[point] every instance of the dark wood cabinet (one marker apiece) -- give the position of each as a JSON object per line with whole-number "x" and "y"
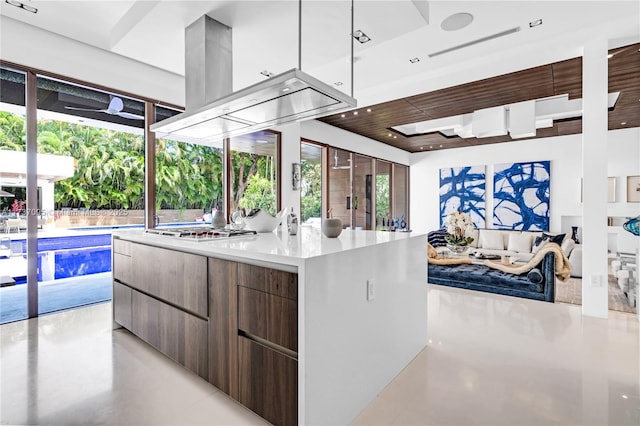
{"x": 223, "y": 326}
{"x": 268, "y": 342}
{"x": 234, "y": 324}
{"x": 268, "y": 382}
{"x": 177, "y": 334}
{"x": 122, "y": 305}
{"x": 269, "y": 317}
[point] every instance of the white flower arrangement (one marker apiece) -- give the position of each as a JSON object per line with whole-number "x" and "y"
{"x": 458, "y": 224}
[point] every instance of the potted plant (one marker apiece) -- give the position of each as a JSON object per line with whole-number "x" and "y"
{"x": 458, "y": 224}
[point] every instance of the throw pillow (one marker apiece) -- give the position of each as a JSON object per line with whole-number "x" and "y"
{"x": 437, "y": 238}
{"x": 554, "y": 238}
{"x": 519, "y": 242}
{"x": 538, "y": 244}
{"x": 535, "y": 276}
{"x": 545, "y": 238}
{"x": 491, "y": 240}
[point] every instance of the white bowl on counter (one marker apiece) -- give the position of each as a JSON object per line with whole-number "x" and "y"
{"x": 263, "y": 221}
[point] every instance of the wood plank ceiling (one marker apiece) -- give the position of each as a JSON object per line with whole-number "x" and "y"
{"x": 548, "y": 80}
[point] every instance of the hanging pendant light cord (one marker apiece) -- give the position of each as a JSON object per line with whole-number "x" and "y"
{"x": 300, "y": 35}
{"x": 300, "y": 39}
{"x": 351, "y": 37}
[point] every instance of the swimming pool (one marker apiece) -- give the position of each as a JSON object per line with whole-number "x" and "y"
{"x": 76, "y": 255}
{"x": 68, "y": 256}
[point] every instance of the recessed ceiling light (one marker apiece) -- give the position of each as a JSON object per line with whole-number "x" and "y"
{"x": 535, "y": 23}
{"x": 431, "y": 147}
{"x": 368, "y": 109}
{"x": 266, "y": 73}
{"x": 440, "y": 146}
{"x": 457, "y": 21}
{"x": 337, "y": 83}
{"x": 395, "y": 137}
{"x": 342, "y": 115}
{"x": 422, "y": 147}
{"x": 414, "y": 60}
{"x": 286, "y": 89}
{"x": 623, "y": 123}
{"x": 389, "y": 135}
{"x": 361, "y": 36}
{"x": 355, "y": 112}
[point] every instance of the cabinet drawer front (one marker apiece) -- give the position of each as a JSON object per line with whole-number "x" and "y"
{"x": 122, "y": 305}
{"x": 269, "y": 317}
{"x": 176, "y": 277}
{"x": 268, "y": 382}
{"x": 122, "y": 247}
{"x": 177, "y": 334}
{"x": 122, "y": 269}
{"x": 269, "y": 280}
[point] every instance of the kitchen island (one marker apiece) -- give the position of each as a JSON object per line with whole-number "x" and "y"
{"x": 300, "y": 329}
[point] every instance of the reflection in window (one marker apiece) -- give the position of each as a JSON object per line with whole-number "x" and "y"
{"x": 400, "y": 192}
{"x": 253, "y": 171}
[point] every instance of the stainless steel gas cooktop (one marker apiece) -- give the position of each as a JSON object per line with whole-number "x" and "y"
{"x": 201, "y": 233}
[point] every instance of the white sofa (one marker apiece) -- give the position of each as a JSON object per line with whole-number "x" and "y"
{"x": 519, "y": 244}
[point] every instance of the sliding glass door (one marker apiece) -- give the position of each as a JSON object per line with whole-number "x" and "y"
{"x": 13, "y": 193}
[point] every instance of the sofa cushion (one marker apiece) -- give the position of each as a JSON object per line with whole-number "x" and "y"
{"x": 567, "y": 246}
{"x": 492, "y": 240}
{"x": 475, "y": 234}
{"x": 519, "y": 242}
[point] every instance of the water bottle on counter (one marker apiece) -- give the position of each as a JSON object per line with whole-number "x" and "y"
{"x": 292, "y": 223}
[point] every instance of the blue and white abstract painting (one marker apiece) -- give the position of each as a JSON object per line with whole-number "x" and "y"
{"x": 463, "y": 189}
{"x": 521, "y": 196}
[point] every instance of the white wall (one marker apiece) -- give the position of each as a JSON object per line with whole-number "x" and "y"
{"x": 30, "y": 46}
{"x": 565, "y": 153}
{"x": 322, "y": 132}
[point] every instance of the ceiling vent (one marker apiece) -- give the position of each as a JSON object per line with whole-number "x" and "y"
{"x": 473, "y": 42}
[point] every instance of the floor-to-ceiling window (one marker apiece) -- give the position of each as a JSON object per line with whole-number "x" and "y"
{"x": 383, "y": 194}
{"x": 362, "y": 203}
{"x": 13, "y": 174}
{"x": 253, "y": 172}
{"x": 401, "y": 194}
{"x": 311, "y": 201}
{"x": 189, "y": 178}
{"x": 339, "y": 182}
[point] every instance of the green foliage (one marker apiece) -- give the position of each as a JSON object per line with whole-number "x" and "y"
{"x": 382, "y": 196}
{"x": 259, "y": 194}
{"x": 188, "y": 176}
{"x": 110, "y": 166}
{"x": 310, "y": 190}
{"x": 252, "y": 180}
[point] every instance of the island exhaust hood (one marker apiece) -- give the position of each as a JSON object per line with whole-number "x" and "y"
{"x": 213, "y": 112}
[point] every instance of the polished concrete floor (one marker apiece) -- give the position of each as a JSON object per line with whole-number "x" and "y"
{"x": 491, "y": 359}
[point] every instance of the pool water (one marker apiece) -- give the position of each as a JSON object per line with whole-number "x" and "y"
{"x": 70, "y": 256}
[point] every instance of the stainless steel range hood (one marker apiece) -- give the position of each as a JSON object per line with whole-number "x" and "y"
{"x": 290, "y": 96}
{"x": 287, "y": 97}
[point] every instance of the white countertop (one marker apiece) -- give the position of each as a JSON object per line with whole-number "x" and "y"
{"x": 272, "y": 247}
